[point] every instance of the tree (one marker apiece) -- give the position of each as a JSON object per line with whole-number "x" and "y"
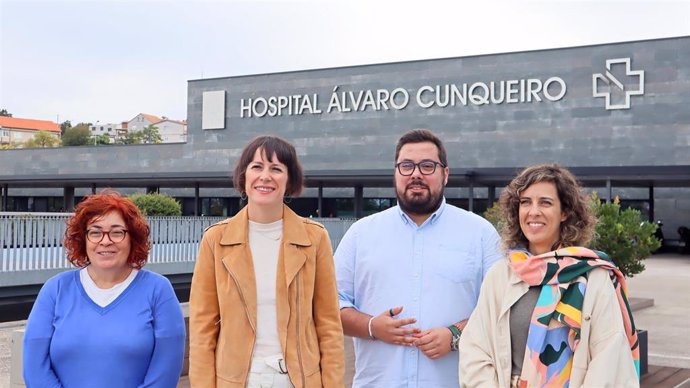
{"x": 4, "y": 112}
{"x": 495, "y": 216}
{"x": 77, "y": 136}
{"x": 102, "y": 139}
{"x": 157, "y": 204}
{"x": 623, "y": 235}
{"x": 150, "y": 135}
{"x": 43, "y": 139}
{"x": 65, "y": 126}
{"x": 133, "y": 137}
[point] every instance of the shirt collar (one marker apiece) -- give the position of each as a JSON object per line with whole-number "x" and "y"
{"x": 431, "y": 220}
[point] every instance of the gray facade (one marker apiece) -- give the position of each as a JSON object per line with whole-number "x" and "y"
{"x": 502, "y": 112}
{"x": 576, "y": 130}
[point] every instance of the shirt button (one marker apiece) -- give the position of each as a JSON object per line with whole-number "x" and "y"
{"x": 587, "y": 317}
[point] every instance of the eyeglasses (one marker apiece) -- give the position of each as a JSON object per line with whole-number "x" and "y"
{"x": 426, "y": 167}
{"x": 97, "y": 235}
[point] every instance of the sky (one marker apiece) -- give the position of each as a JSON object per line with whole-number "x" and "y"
{"x": 107, "y": 61}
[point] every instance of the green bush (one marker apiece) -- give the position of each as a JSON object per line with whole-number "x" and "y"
{"x": 157, "y": 204}
{"x": 494, "y": 215}
{"x": 620, "y": 233}
{"x": 623, "y": 235}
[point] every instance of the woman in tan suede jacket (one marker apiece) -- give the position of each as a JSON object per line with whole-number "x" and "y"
{"x": 263, "y": 305}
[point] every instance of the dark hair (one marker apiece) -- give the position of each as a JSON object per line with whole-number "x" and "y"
{"x": 578, "y": 227}
{"x": 286, "y": 154}
{"x": 422, "y": 136}
{"x": 96, "y": 206}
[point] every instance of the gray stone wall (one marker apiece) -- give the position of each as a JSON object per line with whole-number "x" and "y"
{"x": 577, "y": 130}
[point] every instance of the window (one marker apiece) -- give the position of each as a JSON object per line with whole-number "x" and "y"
{"x": 215, "y": 207}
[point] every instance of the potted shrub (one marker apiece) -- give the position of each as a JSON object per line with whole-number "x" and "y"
{"x": 623, "y": 235}
{"x": 628, "y": 240}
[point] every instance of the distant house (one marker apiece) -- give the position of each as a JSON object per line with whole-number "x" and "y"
{"x": 114, "y": 130}
{"x": 171, "y": 131}
{"x": 141, "y": 121}
{"x": 14, "y": 130}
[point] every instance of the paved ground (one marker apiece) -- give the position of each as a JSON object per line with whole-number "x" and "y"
{"x": 666, "y": 280}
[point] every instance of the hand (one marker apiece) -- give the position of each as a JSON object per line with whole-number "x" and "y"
{"x": 387, "y": 328}
{"x": 461, "y": 325}
{"x": 434, "y": 343}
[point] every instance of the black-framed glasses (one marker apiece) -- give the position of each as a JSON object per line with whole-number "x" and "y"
{"x": 97, "y": 235}
{"x": 426, "y": 167}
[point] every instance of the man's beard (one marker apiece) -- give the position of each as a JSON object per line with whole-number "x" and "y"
{"x": 419, "y": 204}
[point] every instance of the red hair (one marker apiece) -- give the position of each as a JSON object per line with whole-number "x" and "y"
{"x": 96, "y": 206}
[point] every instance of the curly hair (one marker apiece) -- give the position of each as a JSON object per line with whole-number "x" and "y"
{"x": 578, "y": 227}
{"x": 271, "y": 145}
{"x": 96, "y": 206}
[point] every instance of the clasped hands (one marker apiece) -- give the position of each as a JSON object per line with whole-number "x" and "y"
{"x": 434, "y": 343}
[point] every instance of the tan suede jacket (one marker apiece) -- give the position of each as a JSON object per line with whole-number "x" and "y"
{"x": 602, "y": 359}
{"x": 222, "y": 306}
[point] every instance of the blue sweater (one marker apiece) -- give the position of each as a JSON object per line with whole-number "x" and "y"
{"x": 135, "y": 341}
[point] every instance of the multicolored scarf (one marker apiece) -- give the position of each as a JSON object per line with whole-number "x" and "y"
{"x": 554, "y": 331}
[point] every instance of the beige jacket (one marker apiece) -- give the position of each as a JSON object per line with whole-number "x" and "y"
{"x": 222, "y": 306}
{"x": 602, "y": 359}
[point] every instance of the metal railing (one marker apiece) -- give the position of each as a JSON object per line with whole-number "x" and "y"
{"x": 33, "y": 241}
{"x": 336, "y": 228}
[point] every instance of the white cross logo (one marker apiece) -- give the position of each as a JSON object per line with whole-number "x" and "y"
{"x": 609, "y": 79}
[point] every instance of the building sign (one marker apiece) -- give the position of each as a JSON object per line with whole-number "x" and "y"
{"x": 615, "y": 85}
{"x": 442, "y": 96}
{"x": 607, "y": 85}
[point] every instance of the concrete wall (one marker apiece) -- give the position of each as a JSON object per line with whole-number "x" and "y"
{"x": 576, "y": 130}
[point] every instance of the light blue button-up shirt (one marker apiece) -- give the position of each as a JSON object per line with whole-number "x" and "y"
{"x": 434, "y": 271}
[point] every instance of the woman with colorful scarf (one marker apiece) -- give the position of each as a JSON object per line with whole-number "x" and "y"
{"x": 554, "y": 314}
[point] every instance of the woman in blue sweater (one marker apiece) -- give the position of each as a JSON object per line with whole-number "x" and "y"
{"x": 109, "y": 323}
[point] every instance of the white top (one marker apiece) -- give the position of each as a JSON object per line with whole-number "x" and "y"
{"x": 264, "y": 243}
{"x": 104, "y": 296}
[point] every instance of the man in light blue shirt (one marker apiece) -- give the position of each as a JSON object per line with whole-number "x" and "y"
{"x": 409, "y": 277}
